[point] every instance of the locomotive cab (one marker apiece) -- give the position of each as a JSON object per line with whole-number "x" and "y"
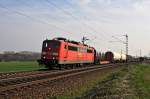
{"x": 50, "y": 52}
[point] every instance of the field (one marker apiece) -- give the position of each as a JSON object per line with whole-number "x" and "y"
{"x": 16, "y": 66}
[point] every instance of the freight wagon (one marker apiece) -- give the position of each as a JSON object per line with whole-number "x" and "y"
{"x": 114, "y": 57}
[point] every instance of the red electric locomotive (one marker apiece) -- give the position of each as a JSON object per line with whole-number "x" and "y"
{"x": 60, "y": 51}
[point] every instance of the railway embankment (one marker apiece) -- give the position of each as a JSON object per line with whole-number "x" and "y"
{"x": 128, "y": 83}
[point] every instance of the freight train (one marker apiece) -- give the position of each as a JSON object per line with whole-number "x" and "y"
{"x": 114, "y": 57}
{"x": 60, "y": 52}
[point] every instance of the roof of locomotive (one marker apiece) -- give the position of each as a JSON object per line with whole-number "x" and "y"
{"x": 69, "y": 41}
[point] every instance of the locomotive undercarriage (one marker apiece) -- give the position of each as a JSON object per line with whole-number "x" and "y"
{"x": 53, "y": 63}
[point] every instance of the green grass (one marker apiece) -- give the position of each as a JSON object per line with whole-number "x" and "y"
{"x": 141, "y": 80}
{"x": 16, "y": 66}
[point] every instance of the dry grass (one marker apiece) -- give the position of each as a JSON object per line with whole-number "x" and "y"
{"x": 132, "y": 84}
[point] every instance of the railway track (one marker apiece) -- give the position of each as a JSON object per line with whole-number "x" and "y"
{"x": 10, "y": 83}
{"x": 17, "y": 83}
{"x": 27, "y": 73}
{"x": 19, "y": 74}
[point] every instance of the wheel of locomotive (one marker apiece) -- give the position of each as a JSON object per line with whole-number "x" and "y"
{"x": 76, "y": 65}
{"x": 59, "y": 66}
{"x": 50, "y": 67}
{"x": 70, "y": 66}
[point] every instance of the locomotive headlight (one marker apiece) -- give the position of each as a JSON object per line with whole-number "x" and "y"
{"x": 44, "y": 57}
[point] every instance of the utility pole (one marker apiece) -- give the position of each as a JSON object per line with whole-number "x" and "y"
{"x": 126, "y": 45}
{"x": 121, "y": 54}
{"x": 140, "y": 53}
{"x": 126, "y": 48}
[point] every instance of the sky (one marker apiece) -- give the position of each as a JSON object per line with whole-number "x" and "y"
{"x": 24, "y": 24}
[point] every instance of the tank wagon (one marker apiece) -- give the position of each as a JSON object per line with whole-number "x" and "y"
{"x": 62, "y": 52}
{"x": 114, "y": 57}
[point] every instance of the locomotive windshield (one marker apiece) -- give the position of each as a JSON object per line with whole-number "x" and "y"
{"x": 50, "y": 44}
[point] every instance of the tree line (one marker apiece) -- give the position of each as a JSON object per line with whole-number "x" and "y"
{"x": 19, "y": 56}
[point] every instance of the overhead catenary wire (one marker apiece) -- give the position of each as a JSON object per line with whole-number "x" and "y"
{"x": 105, "y": 37}
{"x": 100, "y": 38}
{"x": 71, "y": 15}
{"x": 68, "y": 13}
{"x": 32, "y": 18}
{"x": 28, "y": 4}
{"x": 118, "y": 39}
{"x": 47, "y": 23}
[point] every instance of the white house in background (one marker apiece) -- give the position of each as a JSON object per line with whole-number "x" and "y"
{"x": 1, "y": 52}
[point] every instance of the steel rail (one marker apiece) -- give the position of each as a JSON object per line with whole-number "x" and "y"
{"x": 32, "y": 80}
{"x": 33, "y": 73}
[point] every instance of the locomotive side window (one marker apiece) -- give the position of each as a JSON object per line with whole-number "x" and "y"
{"x": 73, "y": 48}
{"x": 82, "y": 50}
{"x": 89, "y": 51}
